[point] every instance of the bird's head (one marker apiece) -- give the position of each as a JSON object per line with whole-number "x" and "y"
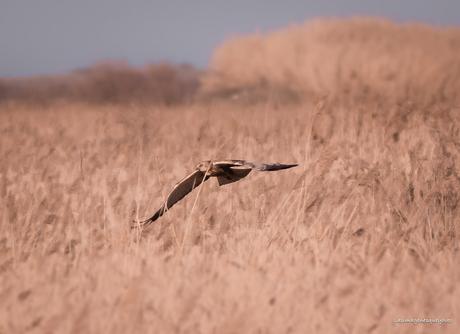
{"x": 204, "y": 166}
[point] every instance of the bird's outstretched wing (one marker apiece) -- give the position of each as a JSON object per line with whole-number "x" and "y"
{"x": 180, "y": 190}
{"x": 233, "y": 174}
{"x": 268, "y": 167}
{"x": 235, "y": 170}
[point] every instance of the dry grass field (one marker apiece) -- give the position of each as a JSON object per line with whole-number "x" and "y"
{"x": 363, "y": 233}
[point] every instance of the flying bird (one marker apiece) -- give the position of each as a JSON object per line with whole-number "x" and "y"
{"x": 226, "y": 171}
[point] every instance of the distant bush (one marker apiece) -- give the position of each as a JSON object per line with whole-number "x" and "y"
{"x": 357, "y": 58}
{"x": 108, "y": 83}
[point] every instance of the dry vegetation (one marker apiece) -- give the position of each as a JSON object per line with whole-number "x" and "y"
{"x": 361, "y": 59}
{"x": 107, "y": 83}
{"x": 364, "y": 232}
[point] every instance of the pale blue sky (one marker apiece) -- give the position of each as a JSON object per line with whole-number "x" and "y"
{"x": 54, "y": 36}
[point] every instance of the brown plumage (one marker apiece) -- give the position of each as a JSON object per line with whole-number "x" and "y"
{"x": 226, "y": 171}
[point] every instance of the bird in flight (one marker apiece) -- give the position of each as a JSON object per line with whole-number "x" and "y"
{"x": 226, "y": 171}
